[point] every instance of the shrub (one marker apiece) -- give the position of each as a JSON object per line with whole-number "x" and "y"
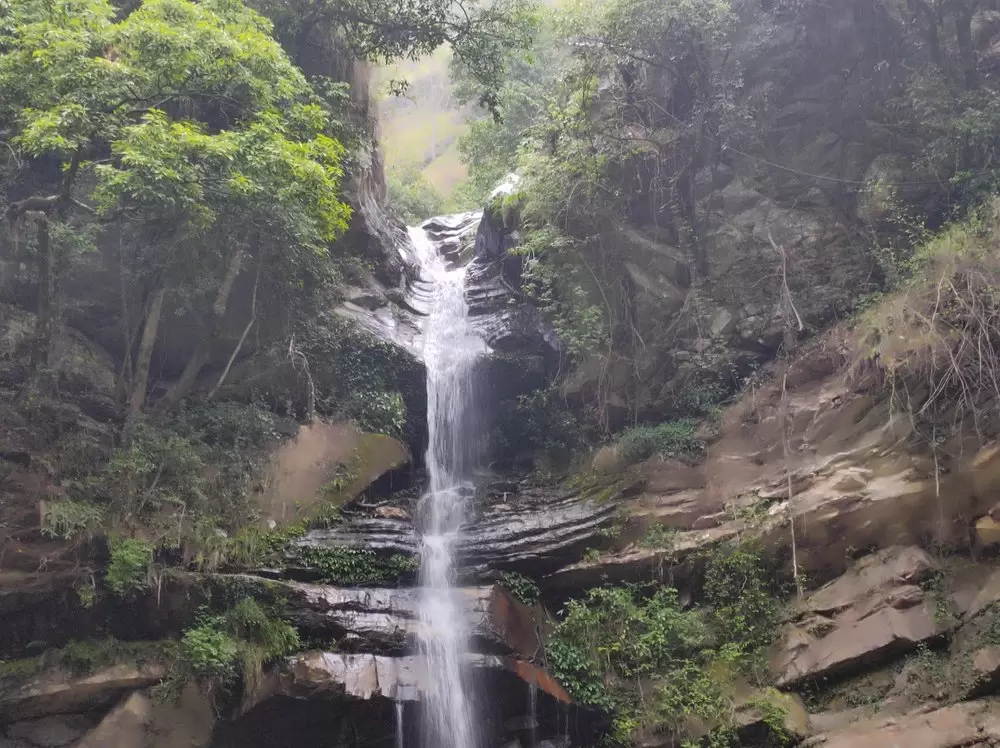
{"x": 523, "y": 588}
{"x": 744, "y": 606}
{"x": 340, "y": 565}
{"x": 210, "y": 652}
{"x": 128, "y": 569}
{"x": 67, "y": 519}
{"x": 613, "y": 636}
{"x": 670, "y": 438}
{"x": 237, "y": 642}
{"x": 933, "y": 344}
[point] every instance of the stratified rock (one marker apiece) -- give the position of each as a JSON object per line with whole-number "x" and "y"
{"x": 534, "y": 532}
{"x": 364, "y": 677}
{"x": 387, "y": 620}
{"x": 965, "y": 725}
{"x": 58, "y": 692}
{"x": 874, "y": 611}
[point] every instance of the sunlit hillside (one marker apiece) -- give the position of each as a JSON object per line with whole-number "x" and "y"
{"x": 421, "y": 127}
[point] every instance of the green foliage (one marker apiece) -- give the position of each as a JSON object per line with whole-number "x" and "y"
{"x": 361, "y": 377}
{"x": 612, "y": 636}
{"x": 539, "y": 425}
{"x": 236, "y": 642}
{"x": 186, "y": 476}
{"x": 129, "y": 567}
{"x": 350, "y": 566}
{"x": 688, "y": 661}
{"x": 659, "y": 537}
{"x": 482, "y": 36}
{"x": 523, "y": 588}
{"x": 86, "y": 656}
{"x": 65, "y": 520}
{"x": 413, "y": 197}
{"x": 742, "y": 597}
{"x": 210, "y": 652}
{"x": 666, "y": 439}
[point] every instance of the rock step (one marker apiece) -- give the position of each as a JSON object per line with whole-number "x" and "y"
{"x": 387, "y": 621}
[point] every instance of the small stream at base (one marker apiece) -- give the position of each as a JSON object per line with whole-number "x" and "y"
{"x": 451, "y": 349}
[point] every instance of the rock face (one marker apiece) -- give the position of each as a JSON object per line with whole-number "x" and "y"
{"x": 302, "y": 468}
{"x": 531, "y": 532}
{"x": 875, "y": 611}
{"x": 57, "y": 692}
{"x": 500, "y": 312}
{"x": 855, "y": 481}
{"x": 376, "y": 695}
{"x": 387, "y": 620}
{"x": 972, "y": 724}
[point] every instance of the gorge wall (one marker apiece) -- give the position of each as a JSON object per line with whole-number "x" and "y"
{"x": 730, "y": 272}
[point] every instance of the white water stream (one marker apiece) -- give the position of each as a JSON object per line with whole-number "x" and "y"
{"x": 451, "y": 348}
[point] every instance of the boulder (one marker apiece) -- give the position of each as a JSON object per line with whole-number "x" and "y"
{"x": 973, "y": 724}
{"x": 875, "y": 611}
{"x": 58, "y": 692}
{"x": 123, "y": 727}
{"x": 86, "y": 372}
{"x": 49, "y": 732}
{"x": 298, "y": 479}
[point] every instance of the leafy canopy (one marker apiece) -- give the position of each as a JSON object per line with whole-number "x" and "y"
{"x": 183, "y": 115}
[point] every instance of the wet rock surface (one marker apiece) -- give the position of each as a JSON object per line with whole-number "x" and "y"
{"x": 387, "y": 620}
{"x": 536, "y": 531}
{"x": 370, "y": 695}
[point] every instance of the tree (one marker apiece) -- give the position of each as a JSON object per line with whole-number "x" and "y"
{"x": 182, "y": 122}
{"x": 482, "y": 35}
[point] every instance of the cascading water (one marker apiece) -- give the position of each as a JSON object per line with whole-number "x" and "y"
{"x": 450, "y": 351}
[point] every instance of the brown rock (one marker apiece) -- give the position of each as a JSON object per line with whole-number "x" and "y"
{"x": 987, "y": 530}
{"x": 57, "y": 692}
{"x": 986, "y": 667}
{"x": 123, "y": 727}
{"x": 51, "y": 732}
{"x": 973, "y": 723}
{"x": 392, "y": 512}
{"x": 872, "y": 612}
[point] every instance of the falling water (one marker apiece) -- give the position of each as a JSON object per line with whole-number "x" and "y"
{"x": 450, "y": 351}
{"x": 399, "y": 724}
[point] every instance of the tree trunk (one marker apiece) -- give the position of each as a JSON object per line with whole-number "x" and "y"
{"x": 146, "y": 352}
{"x": 41, "y": 343}
{"x": 202, "y": 351}
{"x": 966, "y": 50}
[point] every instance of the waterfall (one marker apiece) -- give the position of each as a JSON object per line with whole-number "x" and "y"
{"x": 450, "y": 351}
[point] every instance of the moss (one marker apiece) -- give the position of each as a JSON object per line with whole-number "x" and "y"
{"x": 19, "y": 670}
{"x": 85, "y": 656}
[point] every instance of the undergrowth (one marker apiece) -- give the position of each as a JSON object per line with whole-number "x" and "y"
{"x": 688, "y": 660}
{"x": 668, "y": 439}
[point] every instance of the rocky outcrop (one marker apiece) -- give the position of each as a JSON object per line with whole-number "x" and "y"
{"x": 856, "y": 481}
{"x": 59, "y": 692}
{"x": 378, "y": 695}
{"x": 507, "y": 320}
{"x": 876, "y": 611}
{"x": 532, "y": 531}
{"x": 387, "y": 620}
{"x": 301, "y": 470}
{"x": 974, "y": 724}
